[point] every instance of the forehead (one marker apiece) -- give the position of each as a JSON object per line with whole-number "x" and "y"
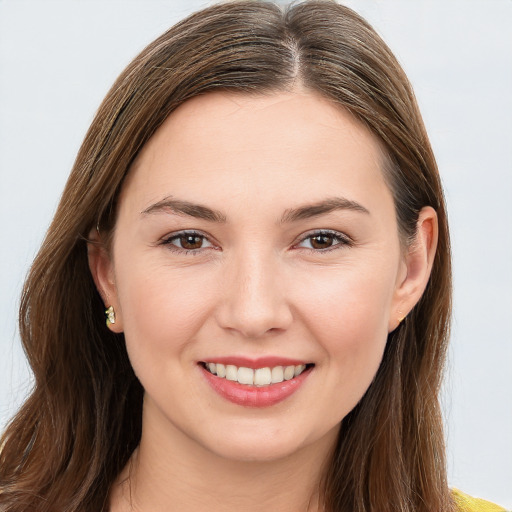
{"x": 297, "y": 144}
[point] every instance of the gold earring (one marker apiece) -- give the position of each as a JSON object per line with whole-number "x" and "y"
{"x": 401, "y": 318}
{"x": 111, "y": 316}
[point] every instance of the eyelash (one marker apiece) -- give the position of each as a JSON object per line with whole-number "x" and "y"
{"x": 340, "y": 240}
{"x": 181, "y": 234}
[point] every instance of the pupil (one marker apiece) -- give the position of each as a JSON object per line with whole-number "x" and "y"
{"x": 321, "y": 241}
{"x": 191, "y": 242}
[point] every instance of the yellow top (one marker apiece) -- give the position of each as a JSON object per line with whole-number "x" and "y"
{"x": 466, "y": 503}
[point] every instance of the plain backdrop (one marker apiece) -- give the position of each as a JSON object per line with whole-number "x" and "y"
{"x": 58, "y": 59}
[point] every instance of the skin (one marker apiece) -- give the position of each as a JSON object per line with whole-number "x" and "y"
{"x": 253, "y": 286}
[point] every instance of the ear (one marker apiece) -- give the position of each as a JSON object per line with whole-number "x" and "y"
{"x": 416, "y": 267}
{"x": 102, "y": 271}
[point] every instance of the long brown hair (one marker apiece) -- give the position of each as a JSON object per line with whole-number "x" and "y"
{"x": 78, "y": 428}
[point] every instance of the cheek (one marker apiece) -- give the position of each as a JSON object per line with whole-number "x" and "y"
{"x": 347, "y": 313}
{"x": 349, "y": 300}
{"x": 162, "y": 309}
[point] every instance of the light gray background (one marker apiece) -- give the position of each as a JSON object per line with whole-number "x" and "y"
{"x": 58, "y": 58}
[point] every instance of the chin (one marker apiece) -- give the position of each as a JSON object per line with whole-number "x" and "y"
{"x": 260, "y": 444}
{"x": 257, "y": 451}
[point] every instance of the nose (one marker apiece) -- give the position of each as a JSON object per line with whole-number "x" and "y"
{"x": 254, "y": 299}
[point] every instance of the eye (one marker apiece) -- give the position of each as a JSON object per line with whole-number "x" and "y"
{"x": 187, "y": 241}
{"x": 324, "y": 241}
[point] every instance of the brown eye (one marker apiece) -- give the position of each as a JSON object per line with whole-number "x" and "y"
{"x": 182, "y": 242}
{"x": 191, "y": 241}
{"x": 323, "y": 241}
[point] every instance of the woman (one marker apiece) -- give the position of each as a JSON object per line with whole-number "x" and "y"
{"x": 257, "y": 209}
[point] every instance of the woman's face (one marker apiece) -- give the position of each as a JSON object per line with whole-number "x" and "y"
{"x": 256, "y": 233}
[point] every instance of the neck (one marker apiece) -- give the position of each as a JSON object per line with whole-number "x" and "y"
{"x": 173, "y": 472}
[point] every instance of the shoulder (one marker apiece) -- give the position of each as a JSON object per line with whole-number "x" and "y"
{"x": 466, "y": 503}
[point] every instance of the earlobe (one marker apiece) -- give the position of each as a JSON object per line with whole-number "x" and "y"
{"x": 418, "y": 260}
{"x": 102, "y": 271}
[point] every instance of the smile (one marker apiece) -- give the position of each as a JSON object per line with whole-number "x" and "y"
{"x": 255, "y": 376}
{"x": 251, "y": 383}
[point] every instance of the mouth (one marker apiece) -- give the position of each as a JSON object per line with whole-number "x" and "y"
{"x": 255, "y": 382}
{"x": 255, "y": 377}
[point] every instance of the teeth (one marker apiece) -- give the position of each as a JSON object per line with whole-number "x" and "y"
{"x": 299, "y": 369}
{"x": 277, "y": 374}
{"x": 231, "y": 372}
{"x": 289, "y": 372}
{"x": 262, "y": 376}
{"x": 221, "y": 370}
{"x": 258, "y": 377}
{"x": 246, "y": 376}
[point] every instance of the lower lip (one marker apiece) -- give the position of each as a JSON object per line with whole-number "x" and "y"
{"x": 253, "y": 396}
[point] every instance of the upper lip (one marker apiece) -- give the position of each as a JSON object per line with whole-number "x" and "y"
{"x": 258, "y": 362}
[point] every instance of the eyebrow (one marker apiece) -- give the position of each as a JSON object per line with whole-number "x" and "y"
{"x": 198, "y": 211}
{"x": 326, "y": 206}
{"x": 180, "y": 207}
